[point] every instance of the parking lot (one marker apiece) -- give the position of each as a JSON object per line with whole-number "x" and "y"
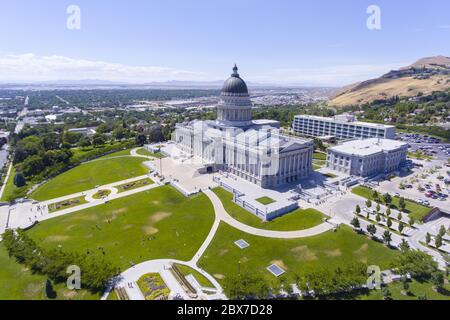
{"x": 429, "y": 185}
{"x": 428, "y": 146}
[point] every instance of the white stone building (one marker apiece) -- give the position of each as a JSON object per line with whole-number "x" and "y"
{"x": 342, "y": 127}
{"x": 251, "y": 149}
{"x": 369, "y": 157}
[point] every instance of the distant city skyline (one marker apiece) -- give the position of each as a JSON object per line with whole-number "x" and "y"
{"x": 285, "y": 42}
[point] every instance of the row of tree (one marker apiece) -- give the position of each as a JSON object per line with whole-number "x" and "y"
{"x": 95, "y": 272}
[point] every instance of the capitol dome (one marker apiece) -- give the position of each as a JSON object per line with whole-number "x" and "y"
{"x": 235, "y": 86}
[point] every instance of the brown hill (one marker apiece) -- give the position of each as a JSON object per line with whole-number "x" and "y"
{"x": 423, "y": 77}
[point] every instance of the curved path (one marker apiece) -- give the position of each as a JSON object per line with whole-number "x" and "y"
{"x": 223, "y": 215}
{"x": 128, "y": 279}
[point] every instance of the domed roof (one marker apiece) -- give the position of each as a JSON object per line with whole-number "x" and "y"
{"x": 235, "y": 86}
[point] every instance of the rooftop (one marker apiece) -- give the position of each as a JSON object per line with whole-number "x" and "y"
{"x": 368, "y": 146}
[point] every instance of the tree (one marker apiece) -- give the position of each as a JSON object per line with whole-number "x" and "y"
{"x": 389, "y": 223}
{"x": 402, "y": 204}
{"x": 119, "y": 133}
{"x": 405, "y": 284}
{"x": 417, "y": 264}
{"x": 19, "y": 180}
{"x": 438, "y": 280}
{"x": 84, "y": 142}
{"x": 99, "y": 140}
{"x": 378, "y": 217}
{"x": 438, "y": 241}
{"x": 368, "y": 203}
{"x": 404, "y": 245}
{"x": 411, "y": 221}
{"x": 372, "y": 229}
{"x": 378, "y": 207}
{"x": 388, "y": 212}
{"x": 355, "y": 223}
{"x": 358, "y": 210}
{"x": 428, "y": 238}
{"x": 399, "y": 216}
{"x": 387, "y": 237}
{"x": 375, "y": 194}
{"x": 247, "y": 285}
{"x": 401, "y": 227}
{"x": 442, "y": 231}
{"x": 387, "y": 199}
{"x": 51, "y": 141}
{"x": 72, "y": 138}
{"x": 49, "y": 291}
{"x": 141, "y": 140}
{"x": 155, "y": 134}
{"x": 386, "y": 293}
{"x": 33, "y": 165}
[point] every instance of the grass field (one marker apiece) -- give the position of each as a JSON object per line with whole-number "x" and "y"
{"x": 415, "y": 210}
{"x": 328, "y": 250}
{"x": 18, "y": 283}
{"x": 156, "y": 224}
{"x": 319, "y": 156}
{"x": 265, "y": 201}
{"x": 296, "y": 220}
{"x": 145, "y": 152}
{"x": 89, "y": 175}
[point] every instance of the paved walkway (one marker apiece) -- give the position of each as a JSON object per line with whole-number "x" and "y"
{"x": 2, "y": 190}
{"x": 26, "y": 214}
{"x": 128, "y": 280}
{"x": 223, "y": 215}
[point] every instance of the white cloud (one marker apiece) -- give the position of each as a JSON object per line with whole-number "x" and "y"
{"x": 30, "y": 67}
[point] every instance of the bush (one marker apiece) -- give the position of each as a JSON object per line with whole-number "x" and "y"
{"x": 19, "y": 180}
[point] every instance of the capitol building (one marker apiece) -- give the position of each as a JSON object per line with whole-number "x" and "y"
{"x": 253, "y": 150}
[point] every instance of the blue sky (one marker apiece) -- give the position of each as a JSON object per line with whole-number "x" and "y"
{"x": 285, "y": 41}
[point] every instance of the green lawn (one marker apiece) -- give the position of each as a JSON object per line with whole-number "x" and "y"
{"x": 145, "y": 152}
{"x": 11, "y": 192}
{"x": 156, "y": 224}
{"x": 89, "y": 175}
{"x": 415, "y": 210}
{"x": 296, "y": 220}
{"x": 265, "y": 201}
{"x": 328, "y": 250}
{"x": 80, "y": 154}
{"x": 126, "y": 152}
{"x": 18, "y": 283}
{"x": 319, "y": 156}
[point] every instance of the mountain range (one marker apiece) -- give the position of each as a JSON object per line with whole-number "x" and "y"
{"x": 421, "y": 78}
